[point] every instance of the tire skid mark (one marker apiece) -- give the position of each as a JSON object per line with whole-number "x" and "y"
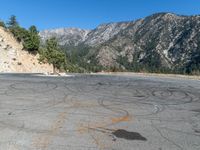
{"x": 112, "y": 98}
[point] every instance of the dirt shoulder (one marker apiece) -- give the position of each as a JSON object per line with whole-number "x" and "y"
{"x": 151, "y": 74}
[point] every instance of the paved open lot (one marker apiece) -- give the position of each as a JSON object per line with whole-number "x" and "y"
{"x": 99, "y": 112}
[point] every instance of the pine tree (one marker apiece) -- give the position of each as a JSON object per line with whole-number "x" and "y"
{"x": 13, "y": 22}
{"x": 53, "y": 54}
{"x": 32, "y": 39}
{"x": 33, "y": 29}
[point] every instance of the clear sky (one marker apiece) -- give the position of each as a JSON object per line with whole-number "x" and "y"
{"x": 87, "y": 14}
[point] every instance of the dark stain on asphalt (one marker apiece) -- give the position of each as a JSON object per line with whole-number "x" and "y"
{"x": 140, "y": 96}
{"x": 197, "y": 131}
{"x": 196, "y": 110}
{"x": 128, "y": 135}
{"x": 99, "y": 83}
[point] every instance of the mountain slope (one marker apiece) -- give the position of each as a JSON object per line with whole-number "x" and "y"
{"x": 173, "y": 38}
{"x": 15, "y": 59}
{"x": 163, "y": 41}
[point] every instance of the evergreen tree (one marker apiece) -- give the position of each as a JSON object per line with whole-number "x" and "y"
{"x": 53, "y": 54}
{"x": 15, "y": 28}
{"x": 32, "y": 40}
{"x": 13, "y": 22}
{"x": 33, "y": 29}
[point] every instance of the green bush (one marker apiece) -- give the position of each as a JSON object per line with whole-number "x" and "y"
{"x": 19, "y": 33}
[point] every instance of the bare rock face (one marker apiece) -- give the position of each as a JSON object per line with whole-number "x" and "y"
{"x": 104, "y": 33}
{"x": 65, "y": 36}
{"x": 163, "y": 40}
{"x": 14, "y": 59}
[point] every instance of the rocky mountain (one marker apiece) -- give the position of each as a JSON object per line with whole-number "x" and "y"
{"x": 163, "y": 41}
{"x": 15, "y": 59}
{"x": 76, "y": 36}
{"x": 103, "y": 33}
{"x": 66, "y": 36}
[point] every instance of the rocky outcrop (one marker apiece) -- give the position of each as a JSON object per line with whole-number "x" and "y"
{"x": 14, "y": 59}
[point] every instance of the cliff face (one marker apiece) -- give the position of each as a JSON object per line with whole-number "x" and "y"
{"x": 162, "y": 40}
{"x": 14, "y": 59}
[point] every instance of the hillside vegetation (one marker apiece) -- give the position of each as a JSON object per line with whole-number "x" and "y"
{"x": 21, "y": 50}
{"x": 14, "y": 59}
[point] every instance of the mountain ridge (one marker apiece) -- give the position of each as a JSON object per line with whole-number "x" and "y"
{"x": 162, "y": 40}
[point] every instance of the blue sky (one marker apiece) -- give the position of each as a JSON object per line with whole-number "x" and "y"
{"x": 87, "y": 14}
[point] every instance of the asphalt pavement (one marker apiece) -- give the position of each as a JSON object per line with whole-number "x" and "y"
{"x": 98, "y": 112}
